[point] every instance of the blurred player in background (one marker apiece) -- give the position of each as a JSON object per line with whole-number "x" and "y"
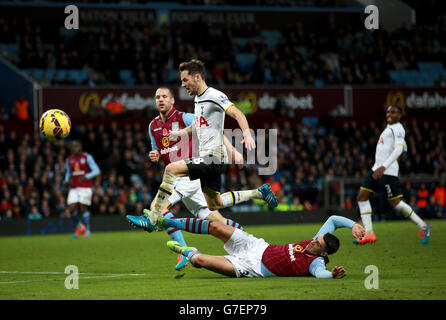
{"x": 211, "y": 106}
{"x": 81, "y": 169}
{"x": 253, "y": 257}
{"x": 185, "y": 190}
{"x": 384, "y": 176}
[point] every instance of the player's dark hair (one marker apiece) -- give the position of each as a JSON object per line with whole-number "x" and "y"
{"x": 397, "y": 107}
{"x": 78, "y": 142}
{"x": 331, "y": 242}
{"x": 193, "y": 66}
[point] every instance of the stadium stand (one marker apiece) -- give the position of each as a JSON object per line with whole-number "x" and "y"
{"x": 144, "y": 53}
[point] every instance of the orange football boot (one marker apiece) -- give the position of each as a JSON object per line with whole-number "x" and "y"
{"x": 79, "y": 231}
{"x": 368, "y": 238}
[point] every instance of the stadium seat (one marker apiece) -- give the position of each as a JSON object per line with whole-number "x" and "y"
{"x": 311, "y": 120}
{"x": 126, "y": 76}
{"x": 245, "y": 60}
{"x": 11, "y": 49}
{"x": 271, "y": 37}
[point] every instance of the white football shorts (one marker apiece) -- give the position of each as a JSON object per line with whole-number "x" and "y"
{"x": 80, "y": 195}
{"x": 189, "y": 191}
{"x": 245, "y": 253}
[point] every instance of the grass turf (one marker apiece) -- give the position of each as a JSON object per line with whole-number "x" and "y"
{"x": 407, "y": 269}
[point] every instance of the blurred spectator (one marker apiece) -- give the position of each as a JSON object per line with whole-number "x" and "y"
{"x": 347, "y": 204}
{"x": 21, "y": 108}
{"x": 34, "y": 214}
{"x": 438, "y": 200}
{"x": 423, "y": 201}
{"x": 4, "y": 115}
{"x": 114, "y": 107}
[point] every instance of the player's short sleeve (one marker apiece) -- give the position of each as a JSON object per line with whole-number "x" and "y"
{"x": 400, "y": 134}
{"x": 152, "y": 139}
{"x": 188, "y": 118}
{"x": 223, "y": 101}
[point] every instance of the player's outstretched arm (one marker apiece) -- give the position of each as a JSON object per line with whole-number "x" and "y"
{"x": 174, "y": 135}
{"x": 335, "y": 222}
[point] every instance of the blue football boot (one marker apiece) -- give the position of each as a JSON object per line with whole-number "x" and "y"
{"x": 142, "y": 222}
{"x": 268, "y": 195}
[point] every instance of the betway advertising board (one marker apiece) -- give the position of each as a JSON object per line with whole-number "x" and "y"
{"x": 367, "y": 103}
{"x": 79, "y": 102}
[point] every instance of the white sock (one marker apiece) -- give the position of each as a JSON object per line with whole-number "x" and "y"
{"x": 408, "y": 212}
{"x": 164, "y": 192}
{"x": 235, "y": 197}
{"x": 366, "y": 215}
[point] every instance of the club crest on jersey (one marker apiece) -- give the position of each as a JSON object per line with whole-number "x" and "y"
{"x": 165, "y": 141}
{"x": 297, "y": 248}
{"x": 175, "y": 126}
{"x": 82, "y": 161}
{"x": 223, "y": 98}
{"x": 165, "y": 132}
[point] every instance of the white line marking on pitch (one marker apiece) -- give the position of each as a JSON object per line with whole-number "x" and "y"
{"x": 97, "y": 275}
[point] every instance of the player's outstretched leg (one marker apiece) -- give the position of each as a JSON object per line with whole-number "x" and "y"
{"x": 180, "y": 249}
{"x": 177, "y": 236}
{"x": 192, "y": 225}
{"x": 264, "y": 192}
{"x": 408, "y": 212}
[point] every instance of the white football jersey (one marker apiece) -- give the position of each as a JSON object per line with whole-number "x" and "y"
{"x": 209, "y": 120}
{"x": 392, "y": 136}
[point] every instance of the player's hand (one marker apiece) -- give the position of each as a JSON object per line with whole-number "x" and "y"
{"x": 174, "y": 135}
{"x": 154, "y": 155}
{"x": 248, "y": 141}
{"x": 338, "y": 272}
{"x": 358, "y": 231}
{"x": 378, "y": 173}
{"x": 238, "y": 158}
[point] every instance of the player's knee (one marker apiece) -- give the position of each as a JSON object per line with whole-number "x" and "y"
{"x": 214, "y": 207}
{"x": 216, "y": 227}
{"x": 198, "y": 261}
{"x": 394, "y": 202}
{"x": 170, "y": 168}
{"x": 362, "y": 197}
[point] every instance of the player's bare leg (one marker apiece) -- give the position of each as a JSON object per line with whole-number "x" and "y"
{"x": 216, "y": 264}
{"x": 213, "y": 198}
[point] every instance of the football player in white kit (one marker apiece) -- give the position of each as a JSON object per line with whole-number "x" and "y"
{"x": 185, "y": 190}
{"x": 211, "y": 105}
{"x": 384, "y": 176}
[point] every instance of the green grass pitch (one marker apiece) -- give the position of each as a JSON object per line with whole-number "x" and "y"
{"x": 32, "y": 267}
